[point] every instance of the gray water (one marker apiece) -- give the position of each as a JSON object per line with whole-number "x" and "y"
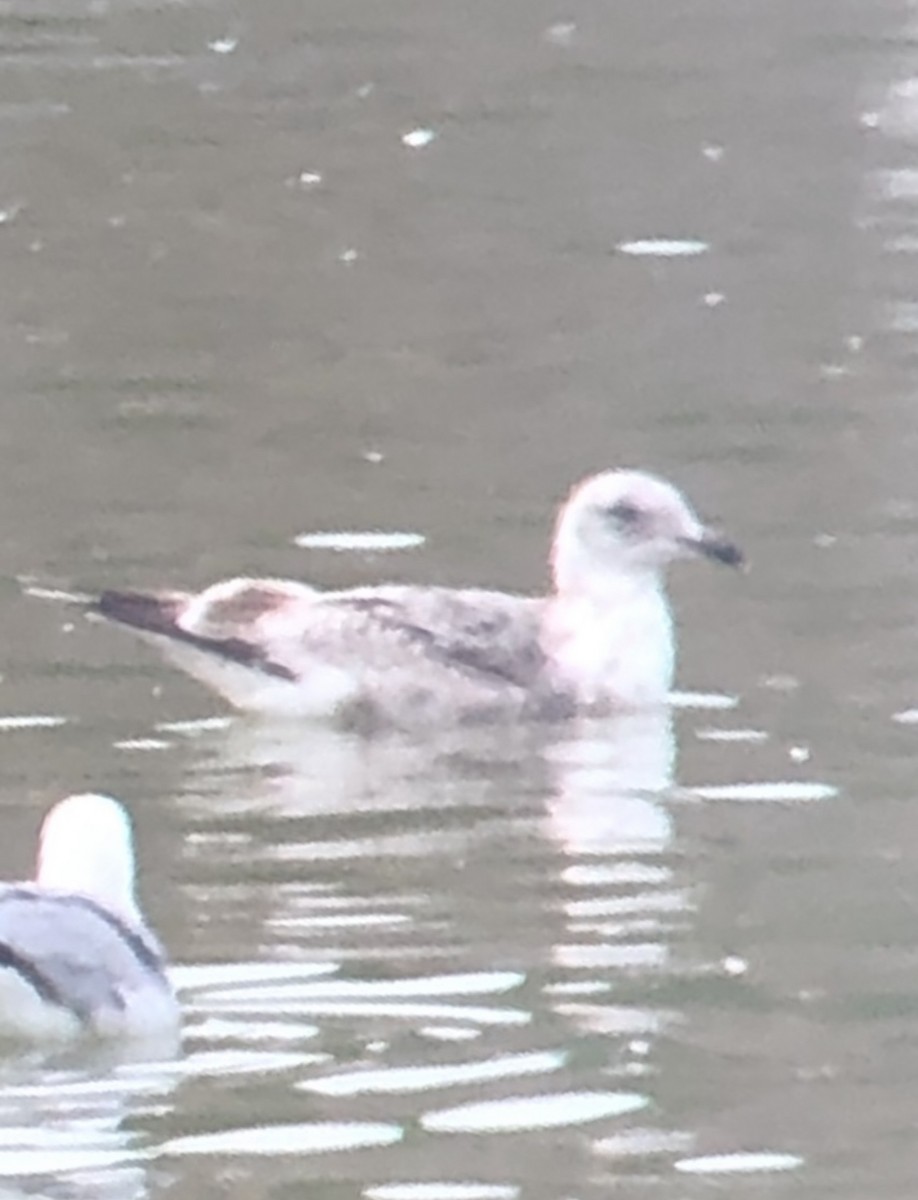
{"x": 649, "y": 959}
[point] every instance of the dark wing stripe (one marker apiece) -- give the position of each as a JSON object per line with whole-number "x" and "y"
{"x": 146, "y": 954}
{"x": 40, "y": 983}
{"x": 155, "y": 614}
{"x": 467, "y": 656}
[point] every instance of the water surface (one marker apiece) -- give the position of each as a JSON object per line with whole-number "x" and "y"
{"x": 285, "y": 270}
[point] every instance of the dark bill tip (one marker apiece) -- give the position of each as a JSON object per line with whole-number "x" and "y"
{"x": 720, "y": 550}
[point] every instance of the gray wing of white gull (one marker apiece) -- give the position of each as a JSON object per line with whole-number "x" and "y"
{"x": 75, "y": 954}
{"x": 390, "y": 648}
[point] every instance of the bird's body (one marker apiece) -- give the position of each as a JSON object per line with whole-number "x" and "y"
{"x": 409, "y": 655}
{"x": 76, "y": 956}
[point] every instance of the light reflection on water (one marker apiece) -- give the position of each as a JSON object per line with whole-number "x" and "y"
{"x": 358, "y": 1048}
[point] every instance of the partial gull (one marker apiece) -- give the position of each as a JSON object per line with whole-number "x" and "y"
{"x": 601, "y": 640}
{"x": 76, "y": 956}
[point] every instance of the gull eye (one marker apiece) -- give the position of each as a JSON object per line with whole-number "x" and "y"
{"x": 625, "y": 513}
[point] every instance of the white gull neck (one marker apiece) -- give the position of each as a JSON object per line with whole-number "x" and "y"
{"x": 86, "y": 846}
{"x": 608, "y": 629}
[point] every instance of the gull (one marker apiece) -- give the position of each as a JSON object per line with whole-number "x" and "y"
{"x": 601, "y": 640}
{"x": 76, "y": 956}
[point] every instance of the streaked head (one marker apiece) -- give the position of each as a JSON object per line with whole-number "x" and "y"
{"x": 86, "y": 845}
{"x": 628, "y": 521}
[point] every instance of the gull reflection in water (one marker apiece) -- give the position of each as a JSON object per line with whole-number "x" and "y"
{"x": 609, "y": 777}
{"x": 530, "y": 865}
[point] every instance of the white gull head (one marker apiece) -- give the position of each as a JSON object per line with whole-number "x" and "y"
{"x": 86, "y": 846}
{"x": 627, "y": 524}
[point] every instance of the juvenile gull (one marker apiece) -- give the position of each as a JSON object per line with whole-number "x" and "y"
{"x": 601, "y": 640}
{"x": 76, "y": 956}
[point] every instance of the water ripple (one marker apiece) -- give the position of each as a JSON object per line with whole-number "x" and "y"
{"x": 739, "y": 1164}
{"x": 310, "y": 1138}
{"x": 441, "y": 1191}
{"x": 417, "y": 1079}
{"x": 532, "y": 1112}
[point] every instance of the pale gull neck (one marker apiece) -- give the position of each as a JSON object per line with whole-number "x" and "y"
{"x": 86, "y": 846}
{"x": 609, "y": 633}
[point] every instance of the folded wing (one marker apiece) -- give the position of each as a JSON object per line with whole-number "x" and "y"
{"x": 370, "y": 644}
{"x": 75, "y": 955}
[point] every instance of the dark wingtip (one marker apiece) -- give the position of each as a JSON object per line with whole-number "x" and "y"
{"x": 152, "y": 613}
{"x": 139, "y": 610}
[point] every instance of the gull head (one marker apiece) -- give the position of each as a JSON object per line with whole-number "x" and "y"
{"x": 86, "y": 846}
{"x": 628, "y": 523}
